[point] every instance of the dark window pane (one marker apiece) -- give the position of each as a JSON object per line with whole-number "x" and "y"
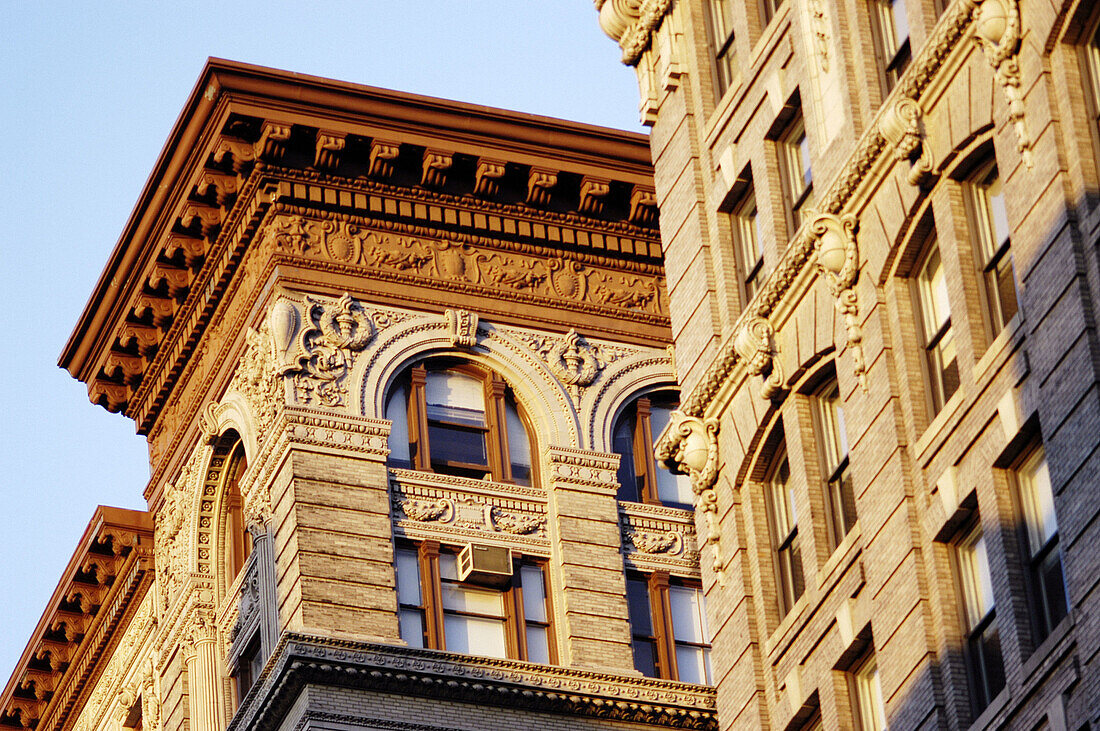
{"x": 455, "y": 444}
{"x": 637, "y": 595}
{"x": 623, "y": 444}
{"x": 1054, "y": 588}
{"x": 1006, "y": 289}
{"x": 645, "y": 657}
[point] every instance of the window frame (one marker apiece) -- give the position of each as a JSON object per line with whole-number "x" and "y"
{"x": 865, "y": 688}
{"x": 894, "y": 56}
{"x": 934, "y": 338}
{"x": 515, "y": 622}
{"x": 785, "y": 548}
{"x": 836, "y": 472}
{"x": 727, "y": 74}
{"x": 990, "y": 256}
{"x": 792, "y": 145}
{"x": 983, "y": 677}
{"x": 644, "y": 465}
{"x": 744, "y": 221}
{"x": 662, "y": 636}
{"x": 498, "y": 398}
{"x": 768, "y": 10}
{"x": 1038, "y": 557}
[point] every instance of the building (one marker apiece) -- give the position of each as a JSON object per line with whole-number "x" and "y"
{"x": 879, "y": 221}
{"x": 388, "y": 352}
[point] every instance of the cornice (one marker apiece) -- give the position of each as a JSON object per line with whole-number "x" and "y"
{"x": 108, "y": 574}
{"x": 301, "y": 660}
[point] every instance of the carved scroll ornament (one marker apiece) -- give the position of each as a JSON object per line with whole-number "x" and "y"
{"x": 997, "y": 31}
{"x": 462, "y": 327}
{"x": 901, "y": 127}
{"x": 668, "y": 542}
{"x": 691, "y": 446}
{"x": 838, "y": 261}
{"x": 755, "y": 344}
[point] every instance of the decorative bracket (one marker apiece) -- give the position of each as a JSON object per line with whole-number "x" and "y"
{"x": 755, "y": 344}
{"x": 902, "y": 128}
{"x": 487, "y": 177}
{"x": 382, "y": 156}
{"x": 690, "y": 445}
{"x": 997, "y": 31}
{"x": 462, "y": 326}
{"x": 837, "y": 259}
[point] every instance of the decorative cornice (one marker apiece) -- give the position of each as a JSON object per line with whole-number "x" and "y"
{"x": 302, "y": 660}
{"x": 631, "y": 23}
{"x": 946, "y": 39}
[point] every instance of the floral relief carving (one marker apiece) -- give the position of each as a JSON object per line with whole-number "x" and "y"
{"x": 997, "y": 32}
{"x": 755, "y": 344}
{"x": 425, "y": 510}
{"x": 691, "y": 446}
{"x": 819, "y": 24}
{"x": 669, "y": 542}
{"x": 837, "y": 256}
{"x": 516, "y": 523}
{"x": 257, "y": 379}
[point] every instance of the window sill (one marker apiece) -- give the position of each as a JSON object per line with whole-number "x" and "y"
{"x": 1007, "y": 342}
{"x": 990, "y": 716}
{"x": 828, "y": 574}
{"x": 938, "y": 429}
{"x": 1049, "y": 650}
{"x": 793, "y": 619}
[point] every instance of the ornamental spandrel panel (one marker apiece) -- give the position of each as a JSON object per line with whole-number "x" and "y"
{"x": 658, "y": 538}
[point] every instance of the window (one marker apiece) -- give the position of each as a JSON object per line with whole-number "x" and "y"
{"x": 992, "y": 239}
{"x": 891, "y": 28}
{"x": 456, "y": 419}
{"x": 832, "y": 440}
{"x": 768, "y": 9}
{"x": 1092, "y": 72}
{"x": 866, "y": 689}
{"x": 940, "y": 357}
{"x": 983, "y": 643}
{"x": 721, "y": 29}
{"x": 1044, "y": 555}
{"x": 640, "y": 480}
{"x": 783, "y": 524}
{"x": 237, "y": 539}
{"x": 746, "y": 238}
{"x": 248, "y": 668}
{"x": 795, "y": 168}
{"x": 437, "y": 610}
{"x": 668, "y": 626}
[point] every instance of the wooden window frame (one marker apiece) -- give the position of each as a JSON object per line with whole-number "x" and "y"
{"x": 894, "y": 54}
{"x": 497, "y": 399}
{"x": 237, "y": 539}
{"x": 515, "y": 620}
{"x": 990, "y": 256}
{"x": 247, "y": 668}
{"x": 744, "y": 220}
{"x": 768, "y": 10}
{"x": 798, "y": 192}
{"x": 1039, "y": 551}
{"x": 836, "y": 473}
{"x": 785, "y": 549}
{"x": 934, "y": 338}
{"x": 723, "y": 42}
{"x": 663, "y": 635}
{"x": 865, "y": 688}
{"x": 982, "y": 674}
{"x": 644, "y": 465}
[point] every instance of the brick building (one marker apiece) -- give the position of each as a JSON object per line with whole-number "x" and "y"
{"x": 880, "y": 228}
{"x": 400, "y": 362}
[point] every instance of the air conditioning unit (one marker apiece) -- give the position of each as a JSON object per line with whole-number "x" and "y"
{"x": 485, "y": 565}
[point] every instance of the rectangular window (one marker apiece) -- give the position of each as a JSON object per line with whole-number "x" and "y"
{"x": 983, "y": 642}
{"x": 668, "y": 626}
{"x": 797, "y": 172}
{"x": 722, "y": 37}
{"x": 746, "y": 238}
{"x": 832, "y": 439}
{"x": 891, "y": 27}
{"x": 930, "y": 292}
{"x": 768, "y": 9}
{"x": 437, "y": 610}
{"x": 250, "y": 663}
{"x": 993, "y": 239}
{"x": 1092, "y": 72}
{"x": 783, "y": 523}
{"x": 866, "y": 688}
{"x": 640, "y": 478}
{"x": 1048, "y": 585}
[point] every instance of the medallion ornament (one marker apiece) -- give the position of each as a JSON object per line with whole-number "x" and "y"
{"x": 837, "y": 254}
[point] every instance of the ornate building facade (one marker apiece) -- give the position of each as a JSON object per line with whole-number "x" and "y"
{"x": 400, "y": 362}
{"x": 880, "y": 228}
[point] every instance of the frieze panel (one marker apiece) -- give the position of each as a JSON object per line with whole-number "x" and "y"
{"x": 460, "y": 265}
{"x": 656, "y": 537}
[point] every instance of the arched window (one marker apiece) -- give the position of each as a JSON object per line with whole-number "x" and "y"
{"x": 237, "y": 540}
{"x": 640, "y": 479}
{"x": 456, "y": 418}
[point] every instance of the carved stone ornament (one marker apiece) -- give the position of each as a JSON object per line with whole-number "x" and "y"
{"x": 997, "y": 31}
{"x": 631, "y": 23}
{"x": 516, "y": 523}
{"x": 819, "y": 24}
{"x": 424, "y": 511}
{"x": 257, "y": 379}
{"x": 901, "y": 127}
{"x": 690, "y": 445}
{"x": 837, "y": 257}
{"x": 573, "y": 361}
{"x": 755, "y": 344}
{"x": 669, "y": 542}
{"x": 462, "y": 327}
{"x": 333, "y": 332}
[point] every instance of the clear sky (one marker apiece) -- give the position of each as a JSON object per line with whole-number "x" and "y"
{"x": 90, "y": 92}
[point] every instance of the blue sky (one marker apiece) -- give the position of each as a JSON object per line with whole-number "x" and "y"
{"x": 90, "y": 92}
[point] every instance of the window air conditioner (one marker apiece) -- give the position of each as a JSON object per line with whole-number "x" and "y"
{"x": 485, "y": 565}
